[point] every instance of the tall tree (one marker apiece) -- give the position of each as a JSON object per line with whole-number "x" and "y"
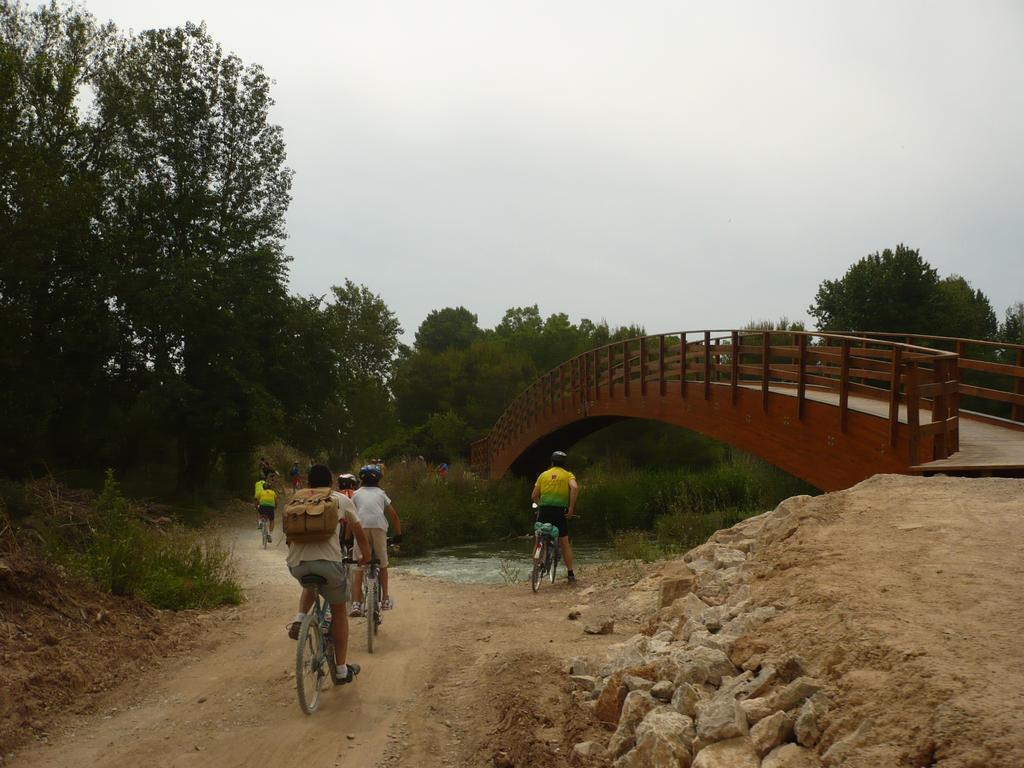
{"x": 448, "y": 328}
{"x": 894, "y": 290}
{"x": 196, "y": 191}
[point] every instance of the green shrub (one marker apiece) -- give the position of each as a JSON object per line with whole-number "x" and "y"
{"x": 170, "y": 566}
{"x": 636, "y": 545}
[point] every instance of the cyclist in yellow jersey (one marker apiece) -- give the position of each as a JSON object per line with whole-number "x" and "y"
{"x": 268, "y": 506}
{"x": 555, "y": 494}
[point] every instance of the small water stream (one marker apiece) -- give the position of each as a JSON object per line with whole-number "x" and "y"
{"x": 483, "y": 563}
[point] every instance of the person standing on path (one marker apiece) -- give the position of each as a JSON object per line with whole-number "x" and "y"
{"x": 555, "y": 493}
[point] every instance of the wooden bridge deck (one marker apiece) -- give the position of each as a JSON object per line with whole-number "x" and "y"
{"x": 985, "y": 445}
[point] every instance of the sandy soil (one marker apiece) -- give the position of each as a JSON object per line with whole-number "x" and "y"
{"x": 902, "y": 595}
{"x": 906, "y": 594}
{"x": 426, "y": 697}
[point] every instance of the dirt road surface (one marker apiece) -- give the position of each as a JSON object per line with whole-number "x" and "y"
{"x": 232, "y": 702}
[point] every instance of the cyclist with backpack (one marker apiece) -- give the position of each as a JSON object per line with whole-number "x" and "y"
{"x": 555, "y": 494}
{"x": 319, "y": 553}
{"x": 375, "y": 510}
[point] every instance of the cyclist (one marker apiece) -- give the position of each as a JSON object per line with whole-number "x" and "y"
{"x": 374, "y": 509}
{"x": 257, "y": 490}
{"x": 294, "y": 473}
{"x": 347, "y": 484}
{"x": 555, "y": 494}
{"x": 324, "y": 558}
{"x": 266, "y": 504}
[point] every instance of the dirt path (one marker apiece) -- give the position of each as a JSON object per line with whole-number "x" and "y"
{"x": 231, "y": 701}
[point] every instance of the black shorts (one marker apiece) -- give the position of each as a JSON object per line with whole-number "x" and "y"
{"x": 555, "y": 516}
{"x": 267, "y": 512}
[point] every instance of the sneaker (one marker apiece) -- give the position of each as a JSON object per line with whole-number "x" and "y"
{"x": 356, "y": 610}
{"x": 353, "y": 670}
{"x": 387, "y": 603}
{"x": 572, "y": 577}
{"x": 293, "y": 628}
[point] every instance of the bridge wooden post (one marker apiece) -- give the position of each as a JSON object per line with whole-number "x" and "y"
{"x": 625, "y": 369}
{"x": 682, "y": 364}
{"x": 913, "y": 415}
{"x": 707, "y": 365}
{"x": 940, "y": 409}
{"x": 643, "y": 366}
{"x": 844, "y": 383}
{"x": 661, "y": 365}
{"x": 765, "y": 373}
{"x": 611, "y": 372}
{"x": 894, "y": 395}
{"x": 1017, "y": 412}
{"x": 734, "y": 375}
{"x": 801, "y": 375}
{"x": 561, "y": 388}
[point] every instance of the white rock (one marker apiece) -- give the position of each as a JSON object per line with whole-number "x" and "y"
{"x": 663, "y": 690}
{"x": 663, "y": 740}
{"x": 734, "y": 753}
{"x": 791, "y": 756}
{"x": 771, "y": 731}
{"x": 726, "y": 557}
{"x": 808, "y": 725}
{"x": 634, "y": 683}
{"x": 587, "y": 749}
{"x": 685, "y": 699}
{"x": 634, "y": 708}
{"x": 719, "y": 719}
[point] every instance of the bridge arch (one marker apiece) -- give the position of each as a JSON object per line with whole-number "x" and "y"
{"x": 831, "y": 409}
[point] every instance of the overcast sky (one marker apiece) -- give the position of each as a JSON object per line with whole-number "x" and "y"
{"x": 678, "y": 164}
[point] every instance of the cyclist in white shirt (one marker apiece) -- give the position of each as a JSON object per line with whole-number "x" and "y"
{"x": 374, "y": 509}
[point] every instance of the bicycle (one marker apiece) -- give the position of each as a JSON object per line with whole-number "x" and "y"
{"x": 264, "y": 528}
{"x": 372, "y": 601}
{"x": 315, "y": 649}
{"x": 545, "y": 554}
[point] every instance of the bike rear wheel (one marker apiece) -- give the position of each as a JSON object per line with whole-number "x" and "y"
{"x": 554, "y": 560}
{"x": 370, "y": 598}
{"x": 265, "y": 529}
{"x": 309, "y": 664}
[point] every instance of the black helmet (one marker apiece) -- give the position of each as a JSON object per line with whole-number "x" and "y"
{"x": 558, "y": 459}
{"x": 370, "y": 475}
{"x": 347, "y": 482}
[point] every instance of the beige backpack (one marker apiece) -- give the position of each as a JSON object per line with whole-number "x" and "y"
{"x": 310, "y": 515}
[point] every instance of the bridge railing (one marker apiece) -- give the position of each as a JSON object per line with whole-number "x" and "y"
{"x": 991, "y": 373}
{"x": 920, "y": 385}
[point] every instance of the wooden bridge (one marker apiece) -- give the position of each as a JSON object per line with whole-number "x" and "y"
{"x": 832, "y": 409}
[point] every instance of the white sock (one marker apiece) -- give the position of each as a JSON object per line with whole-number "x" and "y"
{"x": 343, "y": 670}
{"x": 299, "y": 617}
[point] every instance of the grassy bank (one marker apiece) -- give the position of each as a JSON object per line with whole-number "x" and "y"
{"x": 120, "y": 546}
{"x": 646, "y": 512}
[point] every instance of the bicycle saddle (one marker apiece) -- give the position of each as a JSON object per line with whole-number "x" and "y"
{"x": 312, "y": 580}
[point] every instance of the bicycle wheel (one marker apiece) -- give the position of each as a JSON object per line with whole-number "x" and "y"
{"x": 266, "y": 535}
{"x": 554, "y": 560}
{"x": 370, "y": 604}
{"x": 309, "y": 664}
{"x": 536, "y": 575}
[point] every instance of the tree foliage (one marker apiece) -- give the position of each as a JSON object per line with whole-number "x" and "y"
{"x": 898, "y": 291}
{"x": 144, "y": 320}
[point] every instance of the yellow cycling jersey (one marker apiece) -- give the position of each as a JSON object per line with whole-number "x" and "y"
{"x": 257, "y": 489}
{"x": 267, "y": 498}
{"x": 554, "y": 487}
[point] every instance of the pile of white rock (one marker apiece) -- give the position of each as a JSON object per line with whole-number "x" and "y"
{"x": 697, "y": 693}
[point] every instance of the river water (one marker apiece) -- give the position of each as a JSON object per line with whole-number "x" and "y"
{"x": 494, "y": 562}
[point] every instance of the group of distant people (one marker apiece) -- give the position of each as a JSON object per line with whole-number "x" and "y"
{"x": 366, "y": 513}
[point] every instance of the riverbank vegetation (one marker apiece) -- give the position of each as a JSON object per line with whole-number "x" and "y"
{"x": 121, "y": 547}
